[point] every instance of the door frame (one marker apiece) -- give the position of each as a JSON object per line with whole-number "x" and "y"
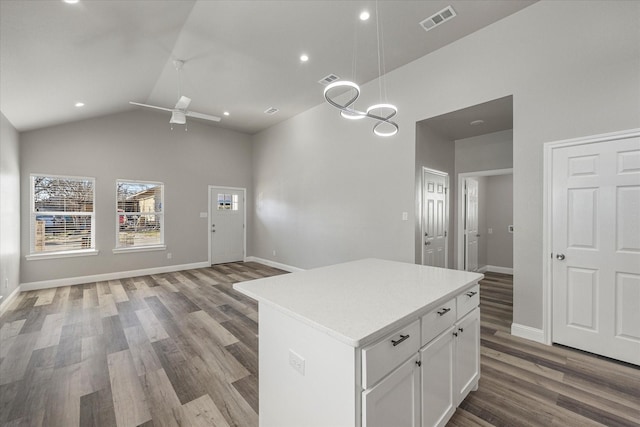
{"x": 547, "y": 217}
{"x": 460, "y": 239}
{"x": 446, "y": 213}
{"x": 244, "y": 219}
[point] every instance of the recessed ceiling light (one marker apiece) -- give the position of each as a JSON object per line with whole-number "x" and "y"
{"x": 304, "y": 58}
{"x": 364, "y": 15}
{"x": 226, "y": 113}
{"x": 79, "y": 104}
{"x": 476, "y": 122}
{"x": 71, "y": 1}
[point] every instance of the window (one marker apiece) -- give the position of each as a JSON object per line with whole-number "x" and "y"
{"x": 62, "y": 215}
{"x": 227, "y": 202}
{"x": 140, "y": 215}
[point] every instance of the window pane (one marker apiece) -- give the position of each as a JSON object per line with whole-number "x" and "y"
{"x": 139, "y": 214}
{"x": 62, "y": 194}
{"x": 62, "y": 232}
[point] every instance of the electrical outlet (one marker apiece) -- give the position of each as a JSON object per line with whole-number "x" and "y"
{"x": 169, "y": 255}
{"x": 296, "y": 361}
{"x": 405, "y": 216}
{"x": 491, "y": 231}
{"x": 274, "y": 252}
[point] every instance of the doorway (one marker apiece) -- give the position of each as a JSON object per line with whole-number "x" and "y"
{"x": 485, "y": 221}
{"x": 227, "y": 219}
{"x": 592, "y": 233}
{"x": 435, "y": 214}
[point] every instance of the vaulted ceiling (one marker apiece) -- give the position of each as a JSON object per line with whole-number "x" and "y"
{"x": 240, "y": 56}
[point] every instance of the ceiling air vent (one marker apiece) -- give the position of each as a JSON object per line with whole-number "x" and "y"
{"x": 438, "y": 18}
{"x": 328, "y": 79}
{"x": 271, "y": 110}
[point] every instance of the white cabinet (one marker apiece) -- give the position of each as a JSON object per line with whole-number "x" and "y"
{"x": 341, "y": 345}
{"x": 437, "y": 357}
{"x": 467, "y": 355}
{"x": 394, "y": 401}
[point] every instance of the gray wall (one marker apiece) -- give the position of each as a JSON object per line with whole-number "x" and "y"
{"x": 499, "y": 215}
{"x": 9, "y": 208}
{"x": 327, "y": 190}
{"x": 433, "y": 151}
{"x": 137, "y": 145}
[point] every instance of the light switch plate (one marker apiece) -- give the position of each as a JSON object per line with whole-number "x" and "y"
{"x": 203, "y": 215}
{"x": 296, "y": 361}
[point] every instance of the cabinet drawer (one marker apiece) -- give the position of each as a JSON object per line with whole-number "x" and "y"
{"x": 468, "y": 300}
{"x": 381, "y": 358}
{"x": 438, "y": 320}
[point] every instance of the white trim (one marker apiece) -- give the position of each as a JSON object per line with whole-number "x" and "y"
{"x": 446, "y": 213}
{"x": 273, "y": 264}
{"x": 210, "y": 213}
{"x": 65, "y": 254}
{"x": 7, "y": 302}
{"x": 527, "y": 332}
{"x": 149, "y": 248}
{"x": 56, "y": 283}
{"x": 461, "y": 213}
{"x": 547, "y": 213}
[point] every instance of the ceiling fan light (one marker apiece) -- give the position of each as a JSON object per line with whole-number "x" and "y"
{"x": 178, "y": 118}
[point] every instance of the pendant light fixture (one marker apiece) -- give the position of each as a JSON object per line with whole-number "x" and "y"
{"x": 382, "y": 113}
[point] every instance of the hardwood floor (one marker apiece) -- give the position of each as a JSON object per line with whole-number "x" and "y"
{"x": 180, "y": 349}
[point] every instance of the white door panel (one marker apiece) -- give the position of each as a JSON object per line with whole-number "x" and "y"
{"x": 596, "y": 248}
{"x": 434, "y": 221}
{"x": 471, "y": 225}
{"x": 227, "y": 225}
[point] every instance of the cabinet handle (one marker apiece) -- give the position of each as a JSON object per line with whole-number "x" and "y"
{"x": 443, "y": 311}
{"x": 461, "y": 329}
{"x": 402, "y": 338}
{"x": 419, "y": 363}
{"x": 470, "y": 294}
{"x": 455, "y": 334}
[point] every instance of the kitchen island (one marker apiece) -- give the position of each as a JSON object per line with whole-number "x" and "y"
{"x": 366, "y": 343}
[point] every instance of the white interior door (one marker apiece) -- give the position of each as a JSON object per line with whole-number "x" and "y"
{"x": 434, "y": 218}
{"x": 471, "y": 224}
{"x": 596, "y": 248}
{"x": 226, "y": 225}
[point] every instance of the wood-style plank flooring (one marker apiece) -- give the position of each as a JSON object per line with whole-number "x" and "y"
{"x": 180, "y": 349}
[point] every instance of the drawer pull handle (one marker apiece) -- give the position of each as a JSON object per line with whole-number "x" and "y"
{"x": 443, "y": 311}
{"x": 419, "y": 363}
{"x": 402, "y": 338}
{"x": 470, "y": 294}
{"x": 455, "y": 334}
{"x": 461, "y": 329}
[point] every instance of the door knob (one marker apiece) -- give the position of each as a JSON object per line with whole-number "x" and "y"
{"x": 427, "y": 243}
{"x": 560, "y": 257}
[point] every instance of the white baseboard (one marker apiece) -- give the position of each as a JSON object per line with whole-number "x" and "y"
{"x": 9, "y": 299}
{"x": 527, "y": 332}
{"x": 496, "y": 269}
{"x": 55, "y": 283}
{"x": 273, "y": 264}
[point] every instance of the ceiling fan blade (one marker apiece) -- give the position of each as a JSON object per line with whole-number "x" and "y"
{"x": 202, "y": 116}
{"x": 183, "y": 103}
{"x": 150, "y": 106}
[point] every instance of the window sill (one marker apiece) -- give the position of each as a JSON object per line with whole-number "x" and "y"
{"x": 140, "y": 249}
{"x": 65, "y": 254}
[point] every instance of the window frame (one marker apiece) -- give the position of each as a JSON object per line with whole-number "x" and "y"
{"x": 33, "y": 255}
{"x": 158, "y": 214}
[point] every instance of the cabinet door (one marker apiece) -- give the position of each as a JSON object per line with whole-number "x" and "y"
{"x": 437, "y": 358}
{"x": 395, "y": 400}
{"x": 467, "y": 354}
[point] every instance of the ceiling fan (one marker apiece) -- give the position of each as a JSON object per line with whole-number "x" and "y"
{"x": 180, "y": 112}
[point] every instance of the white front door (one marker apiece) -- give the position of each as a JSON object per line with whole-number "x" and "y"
{"x": 226, "y": 224}
{"x": 434, "y": 218}
{"x": 596, "y": 248}
{"x": 471, "y": 224}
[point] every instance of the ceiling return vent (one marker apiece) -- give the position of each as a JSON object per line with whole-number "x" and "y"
{"x": 438, "y": 18}
{"x": 271, "y": 110}
{"x": 328, "y": 79}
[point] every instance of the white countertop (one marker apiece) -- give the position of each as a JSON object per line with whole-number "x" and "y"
{"x": 360, "y": 301}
